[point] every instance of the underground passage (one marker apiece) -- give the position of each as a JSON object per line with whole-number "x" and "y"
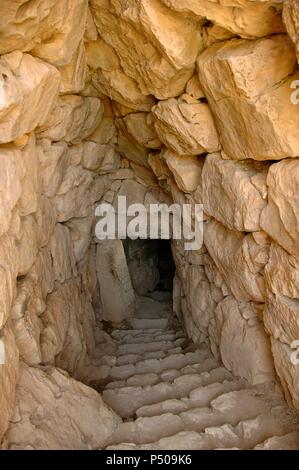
{"x": 148, "y": 342}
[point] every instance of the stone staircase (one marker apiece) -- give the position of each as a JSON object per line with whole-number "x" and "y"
{"x": 173, "y": 395}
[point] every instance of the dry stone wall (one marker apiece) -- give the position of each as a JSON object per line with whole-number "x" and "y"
{"x": 158, "y": 100}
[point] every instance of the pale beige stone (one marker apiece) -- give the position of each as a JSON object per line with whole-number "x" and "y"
{"x": 280, "y": 218}
{"x": 138, "y": 125}
{"x": 66, "y": 33}
{"x": 186, "y": 170}
{"x": 102, "y": 158}
{"x": 247, "y": 19}
{"x": 8, "y": 378}
{"x": 244, "y": 348}
{"x": 64, "y": 339}
{"x": 194, "y": 89}
{"x": 109, "y": 78}
{"x": 64, "y": 265}
{"x": 35, "y": 24}
{"x": 11, "y": 176}
{"x": 53, "y": 161}
{"x": 74, "y": 74}
{"x": 144, "y": 176}
{"x": 163, "y": 41}
{"x": 113, "y": 276}
{"x": 214, "y": 33}
{"x": 74, "y": 118}
{"x": 46, "y": 218}
{"x": 77, "y": 192}
{"x": 281, "y": 318}
{"x": 248, "y": 86}
{"x": 27, "y": 245}
{"x": 81, "y": 234}
{"x": 186, "y": 128}
{"x": 240, "y": 259}
{"x": 291, "y": 20}
{"x": 91, "y": 33}
{"x": 57, "y": 412}
{"x": 282, "y": 272}
{"x": 287, "y": 370}
{"x": 8, "y": 275}
{"x": 234, "y": 192}
{"x": 31, "y": 183}
{"x": 28, "y": 89}
{"x": 158, "y": 166}
{"x": 130, "y": 149}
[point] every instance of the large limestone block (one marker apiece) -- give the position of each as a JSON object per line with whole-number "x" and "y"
{"x": 66, "y": 34}
{"x": 35, "y": 23}
{"x": 24, "y": 25}
{"x": 31, "y": 183}
{"x": 130, "y": 149}
{"x": 8, "y": 378}
{"x": 57, "y": 412}
{"x": 280, "y": 218}
{"x": 78, "y": 191}
{"x": 109, "y": 78}
{"x": 282, "y": 272}
{"x": 139, "y": 126}
{"x": 27, "y": 245}
{"x": 54, "y": 158}
{"x": 73, "y": 75}
{"x": 28, "y": 89}
{"x": 63, "y": 338}
{"x": 291, "y": 20}
{"x": 186, "y": 126}
{"x": 234, "y": 192}
{"x": 73, "y": 119}
{"x": 244, "y": 18}
{"x": 11, "y": 176}
{"x": 240, "y": 259}
{"x": 248, "y": 86}
{"x": 81, "y": 235}
{"x": 8, "y": 275}
{"x": 163, "y": 44}
{"x": 199, "y": 297}
{"x": 281, "y": 318}
{"x": 101, "y": 158}
{"x": 245, "y": 348}
{"x": 64, "y": 264}
{"x": 186, "y": 170}
{"x": 117, "y": 294}
{"x": 287, "y": 371}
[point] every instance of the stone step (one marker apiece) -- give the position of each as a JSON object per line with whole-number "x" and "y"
{"x": 148, "y": 323}
{"x": 228, "y": 408}
{"x": 123, "y": 359}
{"x": 288, "y": 441}
{"x": 137, "y": 336}
{"x": 199, "y": 397}
{"x": 141, "y": 347}
{"x": 168, "y": 375}
{"x": 245, "y": 435}
{"x": 176, "y": 361}
{"x": 121, "y": 333}
{"x": 127, "y": 400}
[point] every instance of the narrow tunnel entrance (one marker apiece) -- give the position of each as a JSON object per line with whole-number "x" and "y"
{"x": 151, "y": 267}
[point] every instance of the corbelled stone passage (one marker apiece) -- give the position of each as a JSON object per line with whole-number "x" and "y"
{"x": 103, "y": 344}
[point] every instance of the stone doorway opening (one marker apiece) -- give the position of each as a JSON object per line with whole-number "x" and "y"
{"x": 151, "y": 267}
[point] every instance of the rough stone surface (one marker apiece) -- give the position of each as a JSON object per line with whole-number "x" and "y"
{"x": 186, "y": 128}
{"x": 247, "y": 84}
{"x": 161, "y": 102}
{"x": 234, "y": 192}
{"x": 56, "y": 412}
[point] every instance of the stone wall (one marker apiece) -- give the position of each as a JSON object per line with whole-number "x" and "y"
{"x": 161, "y": 100}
